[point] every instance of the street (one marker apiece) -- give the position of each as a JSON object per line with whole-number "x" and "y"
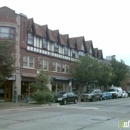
{"x": 98, "y": 115}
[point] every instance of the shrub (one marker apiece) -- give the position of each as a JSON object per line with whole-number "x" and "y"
{"x": 43, "y": 97}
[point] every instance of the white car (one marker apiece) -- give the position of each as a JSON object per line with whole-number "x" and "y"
{"x": 124, "y": 94}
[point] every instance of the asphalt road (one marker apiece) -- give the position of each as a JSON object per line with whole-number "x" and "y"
{"x": 99, "y": 115}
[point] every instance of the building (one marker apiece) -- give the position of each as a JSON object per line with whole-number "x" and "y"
{"x": 36, "y": 47}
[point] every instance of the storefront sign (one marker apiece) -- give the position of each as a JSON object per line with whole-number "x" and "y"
{"x": 13, "y": 77}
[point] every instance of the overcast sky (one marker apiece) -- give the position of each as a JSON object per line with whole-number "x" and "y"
{"x": 105, "y": 22}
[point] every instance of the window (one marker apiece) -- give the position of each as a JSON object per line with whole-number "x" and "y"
{"x": 30, "y": 39}
{"x": 56, "y": 67}
{"x": 66, "y": 50}
{"x": 81, "y": 53}
{"x": 28, "y": 62}
{"x": 65, "y": 68}
{"x": 7, "y": 32}
{"x": 56, "y": 47}
{"x": 44, "y": 64}
{"x": 44, "y": 43}
{"x": 73, "y": 53}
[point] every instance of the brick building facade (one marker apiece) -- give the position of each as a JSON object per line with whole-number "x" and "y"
{"x": 36, "y": 47}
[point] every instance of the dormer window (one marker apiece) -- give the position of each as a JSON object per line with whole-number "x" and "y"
{"x": 30, "y": 39}
{"x": 73, "y": 53}
{"x": 66, "y": 50}
{"x": 81, "y": 53}
{"x": 44, "y": 43}
{"x": 56, "y": 47}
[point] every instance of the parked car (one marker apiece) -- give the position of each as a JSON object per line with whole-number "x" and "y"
{"x": 65, "y": 97}
{"x": 128, "y": 93}
{"x": 116, "y": 92}
{"x": 106, "y": 95}
{"x": 124, "y": 94}
{"x": 92, "y": 95}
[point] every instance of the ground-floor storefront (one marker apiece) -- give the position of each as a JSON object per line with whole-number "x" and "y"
{"x": 56, "y": 85}
{"x": 6, "y": 89}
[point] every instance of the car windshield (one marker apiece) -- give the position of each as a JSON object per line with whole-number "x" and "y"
{"x": 111, "y": 90}
{"x": 91, "y": 91}
{"x": 62, "y": 94}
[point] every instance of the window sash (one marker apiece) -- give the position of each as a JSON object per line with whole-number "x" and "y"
{"x": 58, "y": 67}
{"x": 66, "y": 51}
{"x": 63, "y": 68}
{"x": 67, "y": 69}
{"x": 46, "y": 65}
{"x": 54, "y": 66}
{"x": 7, "y": 32}
{"x": 44, "y": 43}
{"x": 28, "y": 62}
{"x": 56, "y": 47}
{"x": 30, "y": 38}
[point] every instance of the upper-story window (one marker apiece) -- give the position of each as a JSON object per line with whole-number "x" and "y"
{"x": 66, "y": 50}
{"x": 73, "y": 53}
{"x": 7, "y": 32}
{"x": 28, "y": 62}
{"x": 44, "y": 64}
{"x": 56, "y": 67}
{"x": 44, "y": 43}
{"x": 56, "y": 47}
{"x": 30, "y": 39}
{"x": 65, "y": 68}
{"x": 81, "y": 53}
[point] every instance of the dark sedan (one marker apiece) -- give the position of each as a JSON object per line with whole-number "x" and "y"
{"x": 128, "y": 93}
{"x": 65, "y": 97}
{"x": 106, "y": 95}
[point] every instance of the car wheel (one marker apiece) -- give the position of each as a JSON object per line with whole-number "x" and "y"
{"x": 82, "y": 100}
{"x": 64, "y": 102}
{"x": 100, "y": 99}
{"x": 93, "y": 99}
{"x": 75, "y": 101}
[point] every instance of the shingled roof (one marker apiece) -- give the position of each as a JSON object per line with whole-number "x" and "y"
{"x": 100, "y": 54}
{"x": 72, "y": 42}
{"x": 96, "y": 52}
{"x": 79, "y": 42}
{"x": 88, "y": 45}
{"x": 64, "y": 39}
{"x": 53, "y": 35}
{"x": 41, "y": 30}
{"x": 30, "y": 25}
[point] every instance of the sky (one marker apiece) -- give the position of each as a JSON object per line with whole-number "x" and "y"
{"x": 105, "y": 22}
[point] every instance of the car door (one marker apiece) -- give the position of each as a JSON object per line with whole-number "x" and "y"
{"x": 69, "y": 97}
{"x": 96, "y": 94}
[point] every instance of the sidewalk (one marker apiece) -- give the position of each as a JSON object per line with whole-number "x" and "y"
{"x": 20, "y": 105}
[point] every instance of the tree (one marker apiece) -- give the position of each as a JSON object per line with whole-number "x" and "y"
{"x": 105, "y": 75}
{"x": 85, "y": 70}
{"x": 42, "y": 94}
{"x": 6, "y": 59}
{"x": 121, "y": 72}
{"x": 42, "y": 79}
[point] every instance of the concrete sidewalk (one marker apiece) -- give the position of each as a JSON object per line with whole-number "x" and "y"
{"x": 20, "y": 105}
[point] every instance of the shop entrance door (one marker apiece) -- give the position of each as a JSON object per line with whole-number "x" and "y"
{"x": 8, "y": 91}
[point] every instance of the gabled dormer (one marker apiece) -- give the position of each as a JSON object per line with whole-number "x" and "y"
{"x": 89, "y": 47}
{"x": 30, "y": 31}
